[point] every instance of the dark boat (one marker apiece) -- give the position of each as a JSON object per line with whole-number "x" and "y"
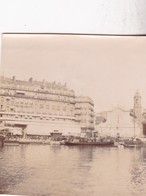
{"x": 1, "y": 140}
{"x": 89, "y": 142}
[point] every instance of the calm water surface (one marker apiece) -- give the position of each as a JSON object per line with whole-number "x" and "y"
{"x": 72, "y": 171}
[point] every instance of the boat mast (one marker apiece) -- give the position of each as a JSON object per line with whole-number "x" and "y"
{"x": 134, "y": 123}
{"x": 118, "y": 123}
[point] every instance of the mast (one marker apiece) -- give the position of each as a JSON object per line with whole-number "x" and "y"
{"x": 134, "y": 123}
{"x": 118, "y": 123}
{"x": 133, "y": 115}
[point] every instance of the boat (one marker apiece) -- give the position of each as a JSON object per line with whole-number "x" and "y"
{"x": 129, "y": 145}
{"x": 24, "y": 141}
{"x": 134, "y": 142}
{"x": 1, "y": 140}
{"x": 118, "y": 144}
{"x": 11, "y": 142}
{"x": 53, "y": 142}
{"x": 90, "y": 142}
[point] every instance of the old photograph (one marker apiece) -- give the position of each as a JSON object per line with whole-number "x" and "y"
{"x": 72, "y": 115}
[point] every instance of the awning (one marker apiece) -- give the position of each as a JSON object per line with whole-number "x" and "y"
{"x": 15, "y": 131}
{"x": 42, "y": 129}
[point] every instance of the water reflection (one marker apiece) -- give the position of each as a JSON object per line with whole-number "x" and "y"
{"x": 138, "y": 172}
{"x": 64, "y": 170}
{"x": 143, "y": 154}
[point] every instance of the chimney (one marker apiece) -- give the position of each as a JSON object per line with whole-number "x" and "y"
{"x": 30, "y": 79}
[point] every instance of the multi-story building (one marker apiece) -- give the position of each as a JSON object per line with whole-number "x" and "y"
{"x": 84, "y": 113}
{"x": 37, "y": 106}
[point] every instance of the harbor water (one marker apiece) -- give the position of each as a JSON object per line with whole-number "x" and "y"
{"x": 72, "y": 170}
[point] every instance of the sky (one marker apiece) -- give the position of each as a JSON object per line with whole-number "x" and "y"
{"x": 109, "y": 79}
{"x": 76, "y": 16}
{"x": 108, "y": 69}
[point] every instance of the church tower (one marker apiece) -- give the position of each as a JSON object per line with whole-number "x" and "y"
{"x": 137, "y": 106}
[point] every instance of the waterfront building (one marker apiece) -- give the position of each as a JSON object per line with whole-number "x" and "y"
{"x": 84, "y": 113}
{"x": 42, "y": 107}
{"x": 144, "y": 122}
{"x": 121, "y": 121}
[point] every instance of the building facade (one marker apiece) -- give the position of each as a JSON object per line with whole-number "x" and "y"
{"x": 144, "y": 122}
{"x": 84, "y": 113}
{"x": 123, "y": 122}
{"x": 119, "y": 122}
{"x": 34, "y": 106}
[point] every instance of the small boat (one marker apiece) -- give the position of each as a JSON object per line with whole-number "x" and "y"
{"x": 119, "y": 144}
{"x": 1, "y": 140}
{"x": 52, "y": 142}
{"x": 133, "y": 142}
{"x": 129, "y": 145}
{"x": 24, "y": 141}
{"x": 11, "y": 142}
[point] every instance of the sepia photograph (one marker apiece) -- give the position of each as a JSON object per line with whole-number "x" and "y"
{"x": 72, "y": 115}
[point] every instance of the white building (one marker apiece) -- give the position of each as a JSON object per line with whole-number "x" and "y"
{"x": 119, "y": 122}
{"x": 40, "y": 107}
{"x": 123, "y": 122}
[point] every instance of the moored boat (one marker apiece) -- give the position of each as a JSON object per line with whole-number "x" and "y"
{"x": 1, "y": 140}
{"x": 11, "y": 142}
{"x": 90, "y": 142}
{"x": 130, "y": 145}
{"x": 24, "y": 141}
{"x": 54, "y": 142}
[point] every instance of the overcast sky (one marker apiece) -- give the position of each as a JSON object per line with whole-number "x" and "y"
{"x": 108, "y": 69}
{"x": 90, "y": 66}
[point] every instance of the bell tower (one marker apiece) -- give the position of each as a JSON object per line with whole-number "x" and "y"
{"x": 137, "y": 106}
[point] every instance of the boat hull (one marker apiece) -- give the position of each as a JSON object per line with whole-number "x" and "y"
{"x": 89, "y": 143}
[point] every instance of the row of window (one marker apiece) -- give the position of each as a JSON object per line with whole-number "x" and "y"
{"x": 50, "y": 97}
{"x": 31, "y": 90}
{"x": 40, "y": 107}
{"x": 34, "y": 117}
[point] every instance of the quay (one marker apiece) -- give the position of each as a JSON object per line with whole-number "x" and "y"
{"x": 56, "y": 138}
